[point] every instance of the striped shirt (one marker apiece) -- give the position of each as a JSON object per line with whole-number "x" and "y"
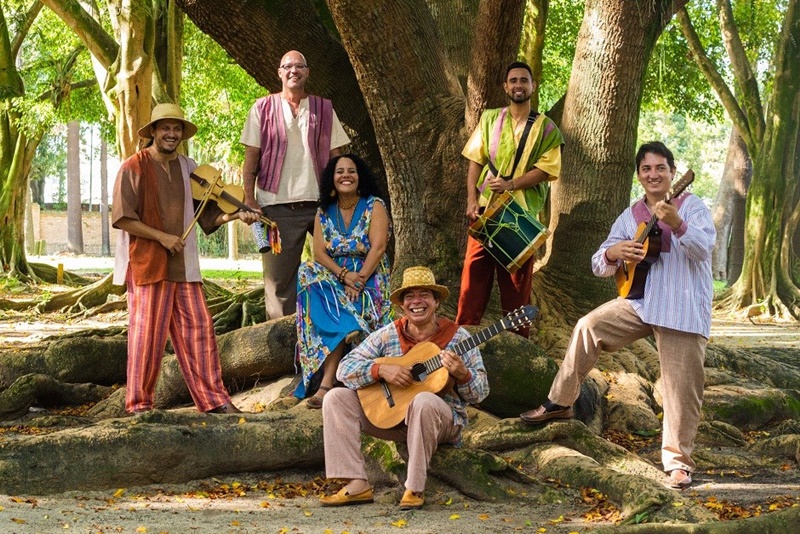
{"x": 679, "y": 287}
{"x": 354, "y": 369}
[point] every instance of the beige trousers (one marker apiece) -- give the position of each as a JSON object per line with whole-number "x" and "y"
{"x": 428, "y": 423}
{"x": 612, "y": 326}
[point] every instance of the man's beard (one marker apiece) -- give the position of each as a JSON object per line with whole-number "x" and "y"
{"x": 519, "y": 99}
{"x": 164, "y": 150}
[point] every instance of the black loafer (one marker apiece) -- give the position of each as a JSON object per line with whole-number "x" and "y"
{"x": 228, "y": 407}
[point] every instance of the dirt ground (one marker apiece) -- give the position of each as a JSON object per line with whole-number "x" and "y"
{"x": 287, "y": 502}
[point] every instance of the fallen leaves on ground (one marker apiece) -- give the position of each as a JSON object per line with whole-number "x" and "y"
{"x": 274, "y": 489}
{"x": 601, "y": 508}
{"x": 633, "y": 442}
{"x": 727, "y": 510}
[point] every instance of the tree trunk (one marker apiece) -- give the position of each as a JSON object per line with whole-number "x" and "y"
{"x": 104, "y": 221}
{"x": 601, "y": 115}
{"x": 532, "y": 47}
{"x": 728, "y": 211}
{"x": 771, "y": 212}
{"x": 74, "y": 205}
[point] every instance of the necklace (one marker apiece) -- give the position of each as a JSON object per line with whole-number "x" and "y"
{"x": 343, "y": 206}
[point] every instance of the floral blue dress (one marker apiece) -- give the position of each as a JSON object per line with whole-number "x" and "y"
{"x": 324, "y": 313}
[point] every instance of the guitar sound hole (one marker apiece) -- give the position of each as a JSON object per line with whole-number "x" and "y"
{"x": 418, "y": 372}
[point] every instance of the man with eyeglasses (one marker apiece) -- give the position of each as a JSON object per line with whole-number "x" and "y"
{"x": 289, "y": 138}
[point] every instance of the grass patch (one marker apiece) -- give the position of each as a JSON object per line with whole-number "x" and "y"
{"x": 230, "y": 274}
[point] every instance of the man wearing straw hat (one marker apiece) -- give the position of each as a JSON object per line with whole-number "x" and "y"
{"x": 430, "y": 419}
{"x": 152, "y": 208}
{"x": 518, "y": 150}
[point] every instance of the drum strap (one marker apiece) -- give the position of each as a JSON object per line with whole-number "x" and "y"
{"x": 520, "y": 148}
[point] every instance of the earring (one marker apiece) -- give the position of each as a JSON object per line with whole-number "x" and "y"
{"x": 333, "y": 193}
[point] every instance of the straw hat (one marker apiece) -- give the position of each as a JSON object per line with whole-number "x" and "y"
{"x": 168, "y": 111}
{"x": 418, "y": 278}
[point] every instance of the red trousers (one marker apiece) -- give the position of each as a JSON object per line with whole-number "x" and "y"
{"x": 180, "y": 309}
{"x": 477, "y": 279}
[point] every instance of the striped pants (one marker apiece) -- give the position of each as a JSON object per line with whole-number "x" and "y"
{"x": 177, "y": 308}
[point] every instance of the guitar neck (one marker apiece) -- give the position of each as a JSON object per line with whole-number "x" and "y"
{"x": 468, "y": 344}
{"x": 682, "y": 184}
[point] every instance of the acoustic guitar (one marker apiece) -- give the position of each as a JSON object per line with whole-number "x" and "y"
{"x": 631, "y": 276}
{"x": 385, "y": 405}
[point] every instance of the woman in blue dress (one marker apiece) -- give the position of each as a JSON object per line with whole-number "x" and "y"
{"x": 344, "y": 293}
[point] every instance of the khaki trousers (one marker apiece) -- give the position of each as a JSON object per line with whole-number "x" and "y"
{"x": 294, "y": 221}
{"x": 614, "y": 325}
{"x": 429, "y": 422}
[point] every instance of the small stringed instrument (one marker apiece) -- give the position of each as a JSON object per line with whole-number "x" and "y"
{"x": 631, "y": 276}
{"x": 207, "y": 185}
{"x": 385, "y": 405}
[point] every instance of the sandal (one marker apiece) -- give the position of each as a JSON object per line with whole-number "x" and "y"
{"x": 315, "y": 402}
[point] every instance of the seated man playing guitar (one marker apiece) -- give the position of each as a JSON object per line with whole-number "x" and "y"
{"x": 430, "y": 418}
{"x": 675, "y": 308}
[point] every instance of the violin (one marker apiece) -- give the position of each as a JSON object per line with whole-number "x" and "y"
{"x": 207, "y": 184}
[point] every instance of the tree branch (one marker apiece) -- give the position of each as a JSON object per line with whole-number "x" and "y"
{"x": 496, "y": 44}
{"x": 744, "y": 78}
{"x": 89, "y": 31}
{"x": 27, "y": 22}
{"x": 708, "y": 69}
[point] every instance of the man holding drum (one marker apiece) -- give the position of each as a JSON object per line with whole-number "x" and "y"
{"x": 516, "y": 150}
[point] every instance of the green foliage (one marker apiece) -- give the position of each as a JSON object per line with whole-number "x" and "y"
{"x": 227, "y": 274}
{"x": 216, "y": 94}
{"x": 51, "y": 58}
{"x": 214, "y": 245}
{"x": 674, "y": 83}
{"x": 51, "y": 160}
{"x": 561, "y": 36}
{"x": 696, "y": 144}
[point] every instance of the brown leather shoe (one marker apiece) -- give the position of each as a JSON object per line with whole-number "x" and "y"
{"x": 540, "y": 415}
{"x": 412, "y": 500}
{"x": 343, "y": 498}
{"x": 228, "y": 407}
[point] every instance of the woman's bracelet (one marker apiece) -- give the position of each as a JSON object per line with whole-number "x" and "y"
{"x": 342, "y": 274}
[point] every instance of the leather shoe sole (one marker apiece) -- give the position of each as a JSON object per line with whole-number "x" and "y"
{"x": 342, "y": 498}
{"x": 541, "y": 415}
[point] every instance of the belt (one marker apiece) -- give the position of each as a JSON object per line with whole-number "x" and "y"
{"x": 298, "y": 205}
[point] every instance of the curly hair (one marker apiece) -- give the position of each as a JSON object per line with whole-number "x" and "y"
{"x": 367, "y": 185}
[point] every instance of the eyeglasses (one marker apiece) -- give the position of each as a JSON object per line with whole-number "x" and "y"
{"x": 298, "y": 66}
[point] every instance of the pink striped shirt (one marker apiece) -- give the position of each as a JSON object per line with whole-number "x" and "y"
{"x": 679, "y": 286}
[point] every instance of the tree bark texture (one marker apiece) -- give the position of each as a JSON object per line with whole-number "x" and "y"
{"x": 600, "y": 119}
{"x": 74, "y": 208}
{"x": 728, "y": 211}
{"x": 496, "y": 44}
{"x": 771, "y": 213}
